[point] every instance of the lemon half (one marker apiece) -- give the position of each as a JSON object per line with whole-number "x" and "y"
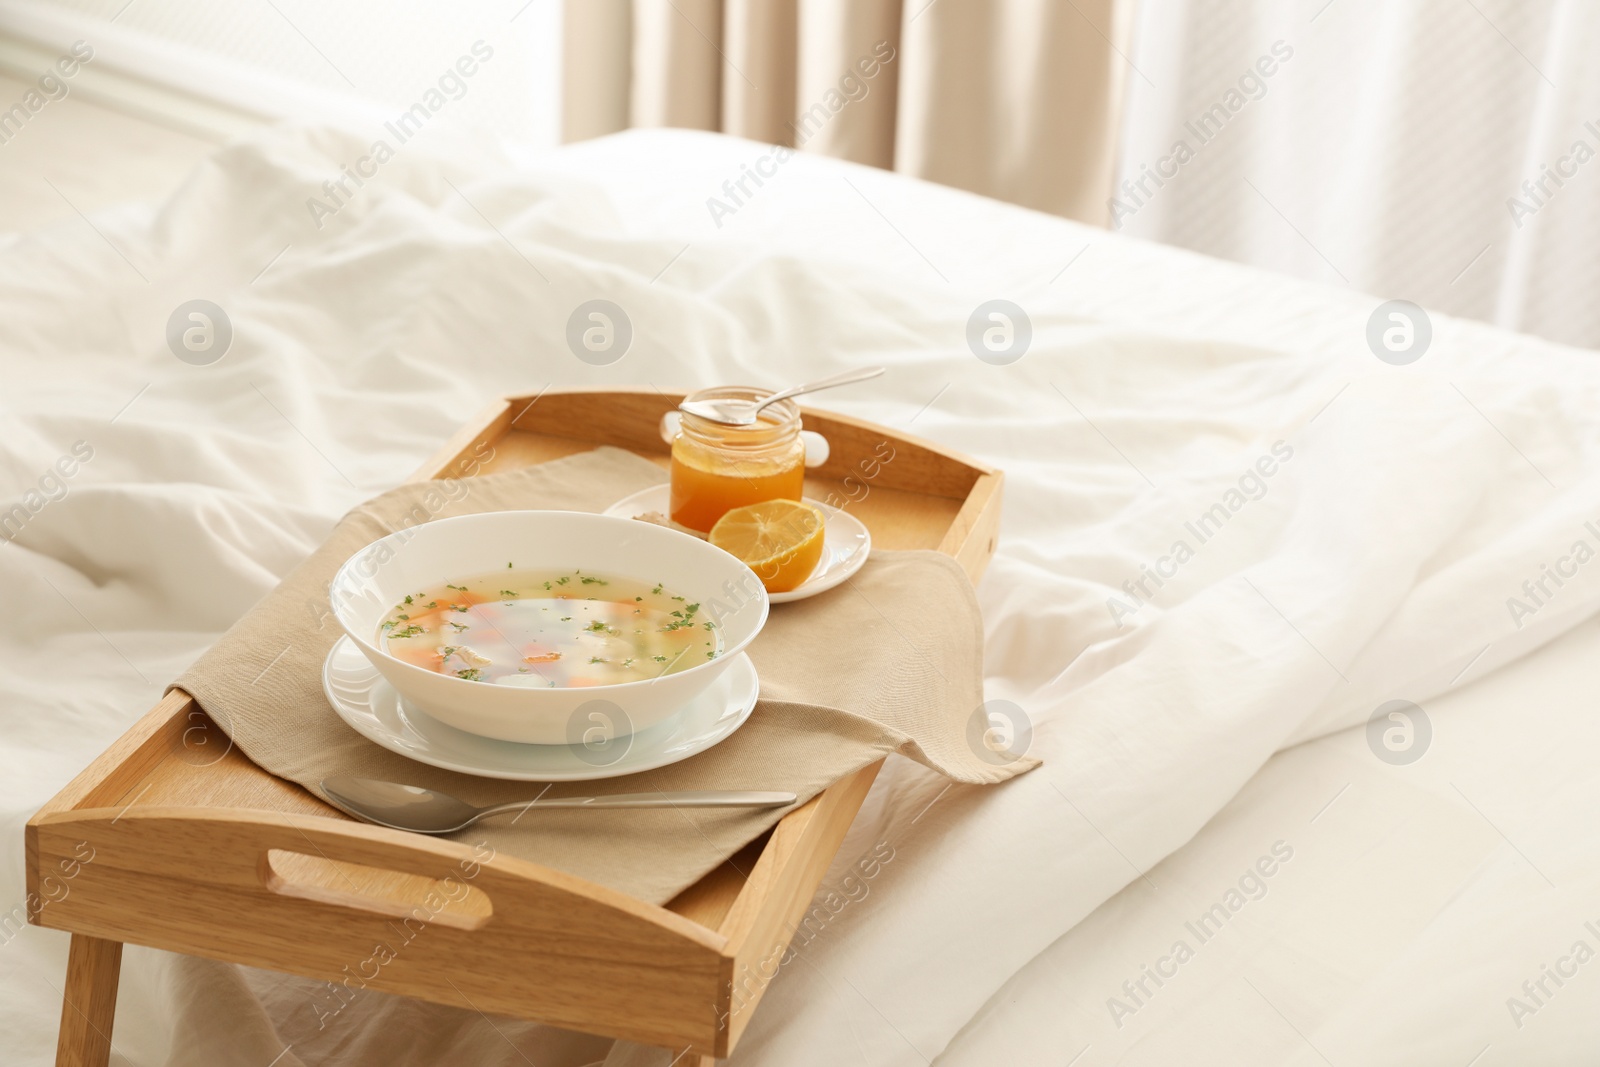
{"x": 781, "y": 540}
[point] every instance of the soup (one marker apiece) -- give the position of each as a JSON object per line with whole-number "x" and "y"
{"x": 562, "y": 629}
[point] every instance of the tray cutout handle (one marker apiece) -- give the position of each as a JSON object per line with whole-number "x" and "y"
{"x": 449, "y": 901}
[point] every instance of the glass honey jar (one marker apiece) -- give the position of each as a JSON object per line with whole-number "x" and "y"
{"x": 716, "y": 468}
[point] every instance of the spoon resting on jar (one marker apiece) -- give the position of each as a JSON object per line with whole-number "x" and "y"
{"x": 737, "y": 412}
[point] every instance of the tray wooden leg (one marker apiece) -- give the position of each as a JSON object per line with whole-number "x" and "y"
{"x": 93, "y": 968}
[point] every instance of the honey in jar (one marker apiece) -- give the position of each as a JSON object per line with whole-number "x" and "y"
{"x": 716, "y": 468}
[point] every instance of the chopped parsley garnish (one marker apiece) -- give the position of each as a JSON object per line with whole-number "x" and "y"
{"x": 458, "y": 607}
{"x": 596, "y": 659}
{"x": 408, "y": 598}
{"x": 410, "y": 631}
{"x": 458, "y": 588}
{"x": 508, "y": 592}
{"x": 457, "y": 626}
{"x": 471, "y": 674}
{"x": 656, "y": 591}
{"x": 682, "y": 618}
{"x": 595, "y": 581}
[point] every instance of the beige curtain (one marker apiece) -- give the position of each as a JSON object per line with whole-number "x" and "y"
{"x": 1015, "y": 99}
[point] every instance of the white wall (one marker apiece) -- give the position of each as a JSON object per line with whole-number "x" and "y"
{"x": 355, "y": 60}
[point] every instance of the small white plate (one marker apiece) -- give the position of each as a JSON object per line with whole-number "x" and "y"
{"x": 371, "y": 707}
{"x": 845, "y": 546}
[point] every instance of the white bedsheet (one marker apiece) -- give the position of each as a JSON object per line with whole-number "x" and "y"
{"x": 1405, "y": 505}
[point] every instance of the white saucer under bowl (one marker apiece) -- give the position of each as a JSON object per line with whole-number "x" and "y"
{"x": 845, "y": 546}
{"x": 371, "y": 707}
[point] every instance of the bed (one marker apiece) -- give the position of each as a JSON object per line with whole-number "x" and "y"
{"x": 1353, "y": 534}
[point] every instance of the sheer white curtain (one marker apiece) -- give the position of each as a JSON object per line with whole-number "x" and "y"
{"x": 1388, "y": 152}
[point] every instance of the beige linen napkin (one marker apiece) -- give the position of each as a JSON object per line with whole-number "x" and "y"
{"x": 891, "y": 661}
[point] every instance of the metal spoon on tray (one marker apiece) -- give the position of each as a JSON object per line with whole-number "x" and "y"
{"x": 745, "y": 412}
{"x": 427, "y": 811}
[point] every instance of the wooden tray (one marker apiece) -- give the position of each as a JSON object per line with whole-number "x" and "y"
{"x": 172, "y": 839}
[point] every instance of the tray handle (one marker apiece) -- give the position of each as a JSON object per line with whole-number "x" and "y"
{"x": 548, "y": 945}
{"x": 251, "y": 851}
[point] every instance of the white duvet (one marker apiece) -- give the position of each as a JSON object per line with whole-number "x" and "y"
{"x": 1327, "y": 533}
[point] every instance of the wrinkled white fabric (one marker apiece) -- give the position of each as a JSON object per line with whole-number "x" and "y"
{"x": 1404, "y": 506}
{"x": 1400, "y": 929}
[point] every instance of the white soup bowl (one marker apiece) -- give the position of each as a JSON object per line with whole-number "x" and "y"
{"x": 379, "y": 576}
